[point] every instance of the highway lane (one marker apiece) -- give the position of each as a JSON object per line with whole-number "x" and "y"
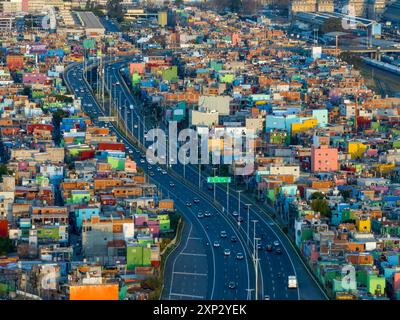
{"x": 289, "y": 263}
{"x": 126, "y": 99}
{"x": 222, "y": 268}
{"x": 233, "y": 270}
{"x": 275, "y": 288}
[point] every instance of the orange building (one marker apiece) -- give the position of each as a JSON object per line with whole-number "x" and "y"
{"x": 94, "y": 292}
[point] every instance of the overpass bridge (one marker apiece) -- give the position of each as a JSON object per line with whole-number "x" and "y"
{"x": 374, "y": 53}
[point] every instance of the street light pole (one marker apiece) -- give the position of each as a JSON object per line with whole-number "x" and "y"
{"x": 199, "y": 177}
{"x": 254, "y": 237}
{"x": 144, "y": 128}
{"x": 126, "y": 118}
{"x": 138, "y": 119}
{"x": 248, "y": 222}
{"x": 227, "y": 198}
{"x": 239, "y": 192}
{"x": 256, "y": 268}
{"x": 214, "y": 181}
{"x": 131, "y": 108}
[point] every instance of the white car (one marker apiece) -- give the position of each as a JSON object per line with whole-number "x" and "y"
{"x": 142, "y": 161}
{"x": 276, "y": 243}
{"x": 292, "y": 282}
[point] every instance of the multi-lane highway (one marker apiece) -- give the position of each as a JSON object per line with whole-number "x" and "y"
{"x": 196, "y": 269}
{"x": 186, "y": 272}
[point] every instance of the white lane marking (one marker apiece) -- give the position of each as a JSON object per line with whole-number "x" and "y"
{"x": 186, "y": 295}
{"x": 193, "y": 254}
{"x": 173, "y": 265}
{"x": 191, "y": 273}
{"x": 194, "y": 238}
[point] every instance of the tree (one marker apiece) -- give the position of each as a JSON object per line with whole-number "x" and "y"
{"x": 88, "y": 5}
{"x": 345, "y": 193}
{"x": 4, "y": 171}
{"x": 140, "y": 170}
{"x": 321, "y": 206}
{"x": 178, "y": 2}
{"x": 27, "y": 91}
{"x": 59, "y": 114}
{"x": 114, "y": 10}
{"x": 62, "y": 98}
{"x": 317, "y": 195}
{"x": 6, "y": 246}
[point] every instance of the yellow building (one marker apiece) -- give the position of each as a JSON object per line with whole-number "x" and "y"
{"x": 363, "y": 224}
{"x": 356, "y": 149}
{"x": 162, "y": 18}
{"x": 304, "y": 126}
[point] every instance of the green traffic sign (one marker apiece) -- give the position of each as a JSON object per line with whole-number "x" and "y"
{"x": 219, "y": 179}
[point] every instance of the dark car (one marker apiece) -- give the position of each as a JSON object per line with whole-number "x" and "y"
{"x": 278, "y": 251}
{"x": 207, "y": 214}
{"x": 188, "y": 204}
{"x": 233, "y": 239}
{"x": 232, "y": 285}
{"x": 196, "y": 200}
{"x": 210, "y": 187}
{"x": 269, "y": 248}
{"x": 239, "y": 256}
{"x": 239, "y": 219}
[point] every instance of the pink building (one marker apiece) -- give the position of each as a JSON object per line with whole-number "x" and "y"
{"x": 25, "y": 5}
{"x": 324, "y": 159}
{"x": 138, "y": 67}
{"x": 141, "y": 219}
{"x": 154, "y": 227}
{"x": 235, "y": 39}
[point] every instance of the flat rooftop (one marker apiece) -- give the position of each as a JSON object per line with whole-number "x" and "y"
{"x": 89, "y": 20}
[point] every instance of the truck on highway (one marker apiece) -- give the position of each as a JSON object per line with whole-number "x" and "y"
{"x": 292, "y": 282}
